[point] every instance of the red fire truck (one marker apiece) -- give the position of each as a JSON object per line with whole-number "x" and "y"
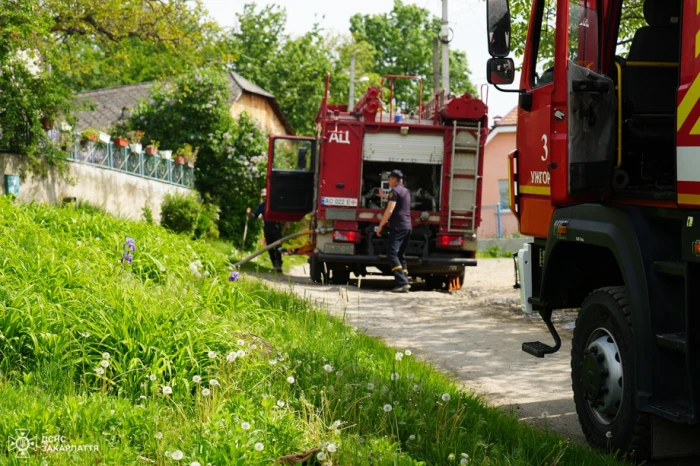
{"x": 606, "y": 178}
{"x": 335, "y": 176}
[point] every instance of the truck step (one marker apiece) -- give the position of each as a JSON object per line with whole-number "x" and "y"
{"x": 538, "y": 349}
{"x": 673, "y": 341}
{"x": 676, "y": 412}
{"x": 670, "y": 268}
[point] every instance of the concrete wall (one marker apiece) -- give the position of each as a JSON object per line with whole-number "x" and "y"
{"x": 116, "y": 192}
{"x": 260, "y": 110}
{"x": 495, "y": 169}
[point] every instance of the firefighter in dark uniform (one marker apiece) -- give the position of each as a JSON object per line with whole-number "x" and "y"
{"x": 271, "y": 230}
{"x": 398, "y": 216}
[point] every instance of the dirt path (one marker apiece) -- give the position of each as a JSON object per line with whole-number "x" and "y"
{"x": 474, "y": 334}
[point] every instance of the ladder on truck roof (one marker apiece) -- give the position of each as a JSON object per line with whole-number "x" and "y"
{"x": 464, "y": 176}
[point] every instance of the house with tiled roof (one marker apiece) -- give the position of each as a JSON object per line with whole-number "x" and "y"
{"x": 496, "y": 216}
{"x": 112, "y": 103}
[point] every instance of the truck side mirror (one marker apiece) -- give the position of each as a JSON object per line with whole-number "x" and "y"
{"x": 498, "y": 19}
{"x": 500, "y": 71}
{"x": 301, "y": 158}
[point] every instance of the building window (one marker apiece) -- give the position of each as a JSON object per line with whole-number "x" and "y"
{"x": 504, "y": 198}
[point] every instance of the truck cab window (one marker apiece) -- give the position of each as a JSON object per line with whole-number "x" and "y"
{"x": 293, "y": 154}
{"x": 543, "y": 69}
{"x": 583, "y": 34}
{"x": 631, "y": 20}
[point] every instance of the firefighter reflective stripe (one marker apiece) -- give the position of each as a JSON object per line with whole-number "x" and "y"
{"x": 689, "y": 176}
{"x": 397, "y": 268}
{"x": 537, "y": 190}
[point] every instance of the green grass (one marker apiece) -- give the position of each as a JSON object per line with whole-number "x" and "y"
{"x": 306, "y": 379}
{"x": 494, "y": 252}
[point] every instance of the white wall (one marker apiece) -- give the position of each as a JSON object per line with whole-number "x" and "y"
{"x": 118, "y": 193}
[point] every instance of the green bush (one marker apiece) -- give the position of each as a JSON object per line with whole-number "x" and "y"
{"x": 207, "y": 226}
{"x": 180, "y": 213}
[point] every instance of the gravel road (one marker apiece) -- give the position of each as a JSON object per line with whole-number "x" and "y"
{"x": 474, "y": 334}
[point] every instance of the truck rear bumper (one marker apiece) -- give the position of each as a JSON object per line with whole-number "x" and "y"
{"x": 411, "y": 260}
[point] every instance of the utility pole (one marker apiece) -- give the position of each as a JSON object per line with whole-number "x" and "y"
{"x": 436, "y": 65}
{"x": 351, "y": 93}
{"x": 444, "y": 35}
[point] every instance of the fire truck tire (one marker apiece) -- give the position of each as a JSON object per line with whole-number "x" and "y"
{"x": 603, "y": 375}
{"x": 340, "y": 275}
{"x": 316, "y": 270}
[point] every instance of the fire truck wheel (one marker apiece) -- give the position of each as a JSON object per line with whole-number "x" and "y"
{"x": 340, "y": 275}
{"x": 603, "y": 375}
{"x": 316, "y": 270}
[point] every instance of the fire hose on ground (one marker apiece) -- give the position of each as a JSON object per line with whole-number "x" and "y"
{"x": 319, "y": 231}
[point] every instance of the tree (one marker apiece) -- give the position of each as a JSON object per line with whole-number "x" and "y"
{"x": 293, "y": 69}
{"x": 403, "y": 45}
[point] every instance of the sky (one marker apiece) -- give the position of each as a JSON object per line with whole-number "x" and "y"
{"x": 467, "y": 19}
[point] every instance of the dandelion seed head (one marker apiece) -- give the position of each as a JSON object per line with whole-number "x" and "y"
{"x": 159, "y": 435}
{"x": 370, "y": 386}
{"x": 214, "y": 383}
{"x": 259, "y": 446}
{"x": 446, "y": 397}
{"x": 387, "y": 408}
{"x": 231, "y": 357}
{"x": 321, "y": 456}
{"x": 240, "y": 353}
{"x": 106, "y": 355}
{"x": 416, "y": 388}
{"x": 211, "y": 354}
{"x": 332, "y": 448}
{"x": 608, "y": 434}
{"x": 177, "y": 455}
{"x": 409, "y": 376}
{"x": 254, "y": 346}
{"x": 451, "y": 457}
{"x": 398, "y": 356}
{"x": 245, "y": 426}
{"x": 206, "y": 392}
{"x": 167, "y": 390}
{"x": 152, "y": 377}
{"x": 240, "y": 342}
{"x": 408, "y": 352}
{"x": 104, "y": 363}
{"x": 195, "y": 463}
{"x": 290, "y": 379}
{"x": 463, "y": 462}
{"x": 100, "y": 371}
{"x": 395, "y": 376}
{"x": 328, "y": 368}
{"x": 411, "y": 437}
{"x": 280, "y": 403}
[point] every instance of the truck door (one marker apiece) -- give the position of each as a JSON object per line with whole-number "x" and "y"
{"x": 290, "y": 178}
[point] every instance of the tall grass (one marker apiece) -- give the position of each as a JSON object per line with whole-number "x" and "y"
{"x": 163, "y": 360}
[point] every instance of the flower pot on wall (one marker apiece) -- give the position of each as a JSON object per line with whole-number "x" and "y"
{"x": 151, "y": 150}
{"x": 166, "y": 154}
{"x": 120, "y": 142}
{"x": 136, "y": 148}
{"x": 179, "y": 160}
{"x": 104, "y": 137}
{"x": 189, "y": 164}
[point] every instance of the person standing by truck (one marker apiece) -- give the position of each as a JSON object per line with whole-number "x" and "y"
{"x": 398, "y": 216}
{"x": 271, "y": 230}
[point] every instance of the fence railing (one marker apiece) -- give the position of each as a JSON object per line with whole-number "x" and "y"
{"x": 109, "y": 156}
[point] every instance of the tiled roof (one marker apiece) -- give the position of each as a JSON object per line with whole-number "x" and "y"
{"x": 109, "y": 102}
{"x": 511, "y": 119}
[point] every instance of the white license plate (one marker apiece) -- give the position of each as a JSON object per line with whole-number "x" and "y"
{"x": 339, "y": 201}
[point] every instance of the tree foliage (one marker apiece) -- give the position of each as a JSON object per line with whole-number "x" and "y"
{"x": 194, "y": 109}
{"x": 402, "y": 41}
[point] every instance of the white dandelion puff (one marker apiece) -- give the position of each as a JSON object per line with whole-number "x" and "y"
{"x": 290, "y": 379}
{"x": 245, "y": 425}
{"x": 159, "y": 435}
{"x": 240, "y": 342}
{"x": 206, "y": 392}
{"x": 259, "y": 446}
{"x": 167, "y": 390}
{"x": 272, "y": 362}
{"x": 446, "y": 397}
{"x": 328, "y": 368}
{"x": 608, "y": 434}
{"x": 416, "y": 388}
{"x": 370, "y": 386}
{"x": 212, "y": 354}
{"x": 195, "y": 463}
{"x": 231, "y": 357}
{"x": 106, "y": 355}
{"x": 451, "y": 457}
{"x": 152, "y": 377}
{"x": 214, "y": 383}
{"x": 177, "y": 455}
{"x": 387, "y": 408}
{"x": 399, "y": 356}
{"x": 280, "y": 403}
{"x": 100, "y": 371}
{"x": 408, "y": 352}
{"x": 395, "y": 376}
{"x": 411, "y": 437}
{"x": 321, "y": 456}
{"x": 196, "y": 379}
{"x": 240, "y": 353}
{"x": 463, "y": 462}
{"x": 331, "y": 448}
{"x": 104, "y": 363}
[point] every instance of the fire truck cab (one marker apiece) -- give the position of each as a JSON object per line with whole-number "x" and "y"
{"x": 335, "y": 176}
{"x": 606, "y": 178}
